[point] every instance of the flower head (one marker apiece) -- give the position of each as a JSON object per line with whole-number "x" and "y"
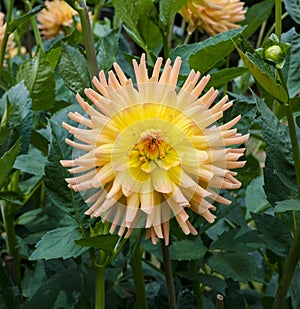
{"x": 150, "y": 151}
{"x": 57, "y": 15}
{"x": 212, "y": 16}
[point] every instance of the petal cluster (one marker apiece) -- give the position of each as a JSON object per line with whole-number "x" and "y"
{"x": 57, "y": 15}
{"x": 212, "y": 16}
{"x": 145, "y": 152}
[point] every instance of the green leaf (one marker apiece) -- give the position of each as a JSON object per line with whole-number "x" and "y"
{"x": 9, "y": 297}
{"x": 274, "y": 232}
{"x": 204, "y": 55}
{"x": 107, "y": 48}
{"x": 129, "y": 11}
{"x": 53, "y": 56}
{"x": 244, "y": 106}
{"x": 213, "y": 282}
{"x": 256, "y": 200}
{"x": 55, "y": 174}
{"x": 12, "y": 197}
{"x": 256, "y": 15}
{"x": 287, "y": 205}
{"x": 238, "y": 240}
{"x": 32, "y": 163}
{"x": 168, "y": 9}
{"x": 140, "y": 18}
{"x": 58, "y": 243}
{"x": 214, "y": 49}
{"x": 238, "y": 266}
{"x": 187, "y": 250}
{"x": 73, "y": 68}
{"x": 33, "y": 279}
{"x": 292, "y": 65}
{"x": 263, "y": 74}
{"x": 222, "y": 77}
{"x": 293, "y": 8}
{"x": 44, "y": 219}
{"x": 106, "y": 243}
{"x": 7, "y": 161}
{"x": 60, "y": 290}
{"x": 17, "y": 105}
{"x": 279, "y": 171}
{"x": 22, "y": 19}
{"x": 39, "y": 79}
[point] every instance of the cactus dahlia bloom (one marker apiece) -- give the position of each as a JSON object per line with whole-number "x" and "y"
{"x": 57, "y": 15}
{"x": 212, "y": 16}
{"x": 149, "y": 151}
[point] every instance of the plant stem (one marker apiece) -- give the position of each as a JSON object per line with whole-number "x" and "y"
{"x": 11, "y": 240}
{"x": 97, "y": 9}
{"x": 220, "y": 301}
{"x": 100, "y": 287}
{"x": 138, "y": 276}
{"x": 278, "y": 16}
{"x": 288, "y": 272}
{"x": 195, "y": 285}
{"x": 294, "y": 253}
{"x": 34, "y": 26}
{"x": 169, "y": 276}
{"x": 294, "y": 142}
{"x": 6, "y": 35}
{"x": 88, "y": 38}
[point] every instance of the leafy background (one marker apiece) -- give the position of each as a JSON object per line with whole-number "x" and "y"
{"x": 240, "y": 256}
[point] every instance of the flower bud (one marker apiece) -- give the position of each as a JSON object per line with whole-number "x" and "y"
{"x": 274, "y": 53}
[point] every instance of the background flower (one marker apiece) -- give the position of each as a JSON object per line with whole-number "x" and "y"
{"x": 212, "y": 16}
{"x": 150, "y": 151}
{"x": 57, "y": 15}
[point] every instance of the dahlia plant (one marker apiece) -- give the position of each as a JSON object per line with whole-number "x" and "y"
{"x": 149, "y": 154}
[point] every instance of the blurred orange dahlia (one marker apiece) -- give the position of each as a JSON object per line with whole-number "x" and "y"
{"x": 57, "y": 15}
{"x": 212, "y": 16}
{"x": 146, "y": 152}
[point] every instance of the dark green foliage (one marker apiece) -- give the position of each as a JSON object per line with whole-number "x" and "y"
{"x": 241, "y": 255}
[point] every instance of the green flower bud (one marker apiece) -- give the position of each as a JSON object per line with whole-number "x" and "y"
{"x": 274, "y": 53}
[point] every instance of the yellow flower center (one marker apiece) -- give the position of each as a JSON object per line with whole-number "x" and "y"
{"x": 152, "y": 146}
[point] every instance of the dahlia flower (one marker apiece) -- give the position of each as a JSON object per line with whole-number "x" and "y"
{"x": 57, "y": 15}
{"x": 212, "y": 16}
{"x": 146, "y": 152}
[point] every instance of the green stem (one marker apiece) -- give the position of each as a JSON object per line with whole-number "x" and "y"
{"x": 261, "y": 34}
{"x": 6, "y": 35}
{"x": 195, "y": 285}
{"x": 97, "y": 10}
{"x": 100, "y": 287}
{"x": 11, "y": 240}
{"x": 88, "y": 38}
{"x": 34, "y": 26}
{"x": 100, "y": 264}
{"x": 288, "y": 272}
{"x": 295, "y": 145}
{"x": 294, "y": 253}
{"x": 138, "y": 276}
{"x": 278, "y": 16}
{"x": 169, "y": 276}
{"x": 293, "y": 133}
